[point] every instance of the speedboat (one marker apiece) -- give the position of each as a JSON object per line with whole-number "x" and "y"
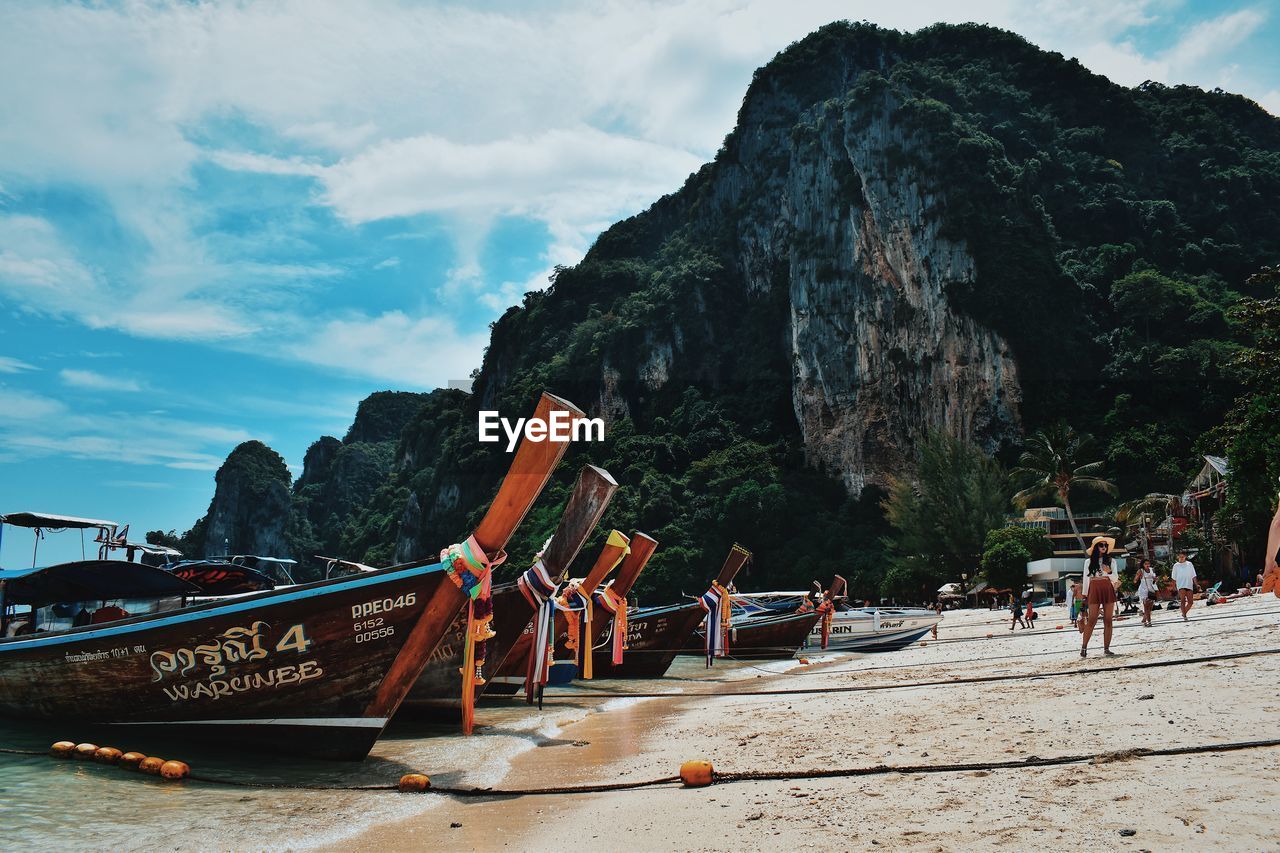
{"x": 857, "y": 629}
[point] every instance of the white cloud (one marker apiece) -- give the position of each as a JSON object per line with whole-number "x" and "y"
{"x": 20, "y": 407}
{"x": 97, "y": 381}
{"x": 34, "y": 426}
{"x": 410, "y": 352}
{"x": 8, "y": 364}
{"x": 37, "y": 267}
{"x": 1213, "y": 40}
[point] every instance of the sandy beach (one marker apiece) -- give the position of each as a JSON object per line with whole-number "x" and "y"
{"x": 1220, "y": 800}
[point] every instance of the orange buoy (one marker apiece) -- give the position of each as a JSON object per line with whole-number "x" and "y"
{"x": 804, "y": 661}
{"x": 151, "y": 765}
{"x": 989, "y": 636}
{"x": 130, "y": 760}
{"x": 62, "y": 749}
{"x": 85, "y": 751}
{"x": 414, "y": 783}
{"x": 175, "y": 770}
{"x": 696, "y": 774}
{"x": 923, "y": 644}
{"x": 1058, "y": 627}
{"x": 107, "y": 754}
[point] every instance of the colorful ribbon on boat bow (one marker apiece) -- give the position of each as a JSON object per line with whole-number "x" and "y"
{"x": 617, "y": 606}
{"x": 470, "y": 569}
{"x": 572, "y": 602}
{"x": 538, "y": 588}
{"x": 719, "y": 606}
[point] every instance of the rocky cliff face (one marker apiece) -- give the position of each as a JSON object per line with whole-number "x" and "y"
{"x": 250, "y": 510}
{"x": 879, "y": 354}
{"x": 339, "y": 478}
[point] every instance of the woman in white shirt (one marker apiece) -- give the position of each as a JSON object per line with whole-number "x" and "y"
{"x": 1184, "y": 576}
{"x": 1146, "y": 582}
{"x": 1100, "y": 592}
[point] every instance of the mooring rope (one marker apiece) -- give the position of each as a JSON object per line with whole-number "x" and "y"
{"x": 755, "y": 775}
{"x": 782, "y": 775}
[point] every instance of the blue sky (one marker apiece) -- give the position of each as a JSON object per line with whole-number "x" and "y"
{"x": 222, "y": 221}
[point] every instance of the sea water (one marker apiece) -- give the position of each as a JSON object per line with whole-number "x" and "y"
{"x": 47, "y": 802}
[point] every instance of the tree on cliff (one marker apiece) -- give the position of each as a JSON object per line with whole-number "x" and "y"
{"x": 1052, "y": 464}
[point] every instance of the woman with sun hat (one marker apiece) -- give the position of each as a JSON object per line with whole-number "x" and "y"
{"x": 1099, "y": 592}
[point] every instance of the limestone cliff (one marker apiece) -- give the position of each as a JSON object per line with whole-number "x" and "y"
{"x": 250, "y": 510}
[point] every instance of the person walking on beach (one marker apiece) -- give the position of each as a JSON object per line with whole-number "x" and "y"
{"x": 1071, "y": 603}
{"x": 1184, "y": 575}
{"x": 1017, "y": 613}
{"x": 1146, "y": 582}
{"x": 1100, "y": 592}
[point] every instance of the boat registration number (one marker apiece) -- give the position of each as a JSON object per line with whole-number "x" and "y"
{"x": 384, "y": 605}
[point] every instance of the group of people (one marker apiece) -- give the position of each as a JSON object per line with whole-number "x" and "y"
{"x": 1097, "y": 594}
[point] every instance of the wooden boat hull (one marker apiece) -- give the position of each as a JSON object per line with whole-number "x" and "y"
{"x": 439, "y": 688}
{"x": 655, "y": 635}
{"x": 767, "y": 637}
{"x": 299, "y": 670}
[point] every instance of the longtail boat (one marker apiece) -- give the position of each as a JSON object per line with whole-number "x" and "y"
{"x": 315, "y": 669}
{"x": 564, "y": 644}
{"x": 609, "y": 630}
{"x": 655, "y": 635}
{"x": 439, "y": 687}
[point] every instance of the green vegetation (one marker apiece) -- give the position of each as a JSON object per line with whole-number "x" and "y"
{"x": 1251, "y": 434}
{"x": 1006, "y": 552}
{"x": 941, "y": 517}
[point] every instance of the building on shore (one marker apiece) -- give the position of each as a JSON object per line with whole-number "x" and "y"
{"x": 1051, "y": 576}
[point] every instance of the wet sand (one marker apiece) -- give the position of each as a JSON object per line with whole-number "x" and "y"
{"x": 1215, "y": 800}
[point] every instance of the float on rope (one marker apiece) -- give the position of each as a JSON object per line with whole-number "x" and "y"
{"x": 130, "y": 760}
{"x": 697, "y": 773}
{"x": 414, "y": 783}
{"x": 151, "y": 765}
{"x": 107, "y": 755}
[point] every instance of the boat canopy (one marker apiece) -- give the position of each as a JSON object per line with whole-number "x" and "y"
{"x": 91, "y": 580}
{"x": 48, "y": 521}
{"x": 214, "y": 577}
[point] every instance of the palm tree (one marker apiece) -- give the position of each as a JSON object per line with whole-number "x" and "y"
{"x": 1052, "y": 464}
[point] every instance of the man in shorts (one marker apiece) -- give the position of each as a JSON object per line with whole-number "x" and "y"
{"x": 1184, "y": 575}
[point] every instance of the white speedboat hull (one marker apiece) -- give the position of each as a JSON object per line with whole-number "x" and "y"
{"x": 873, "y": 630}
